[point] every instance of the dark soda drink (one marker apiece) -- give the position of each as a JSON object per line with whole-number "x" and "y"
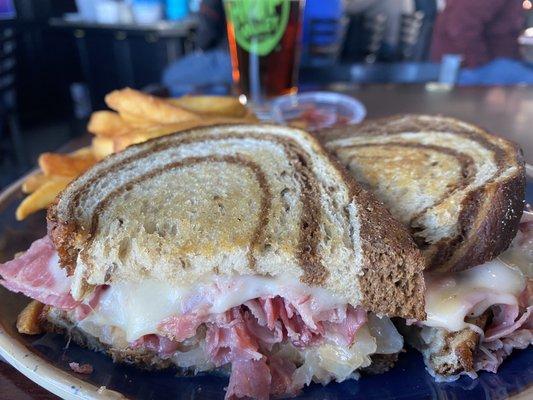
{"x": 264, "y": 43}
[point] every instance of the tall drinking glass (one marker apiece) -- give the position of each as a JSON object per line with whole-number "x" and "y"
{"x": 264, "y": 43}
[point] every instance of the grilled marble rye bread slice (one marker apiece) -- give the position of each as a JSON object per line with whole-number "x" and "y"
{"x": 458, "y": 188}
{"x": 236, "y": 199}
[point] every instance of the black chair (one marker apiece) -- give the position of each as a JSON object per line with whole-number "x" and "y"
{"x": 366, "y": 33}
{"x": 417, "y": 30}
{"x": 326, "y": 36}
{"x": 375, "y": 26}
{"x": 410, "y": 37}
{"x": 364, "y": 38}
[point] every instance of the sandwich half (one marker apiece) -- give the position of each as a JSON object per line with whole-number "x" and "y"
{"x": 243, "y": 248}
{"x": 460, "y": 191}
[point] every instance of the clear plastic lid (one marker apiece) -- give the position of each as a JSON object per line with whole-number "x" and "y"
{"x": 317, "y": 110}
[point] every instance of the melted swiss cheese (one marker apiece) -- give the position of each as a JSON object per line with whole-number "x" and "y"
{"x": 451, "y": 298}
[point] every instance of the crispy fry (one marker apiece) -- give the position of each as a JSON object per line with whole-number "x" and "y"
{"x": 42, "y": 197}
{"x": 33, "y": 182}
{"x": 107, "y": 123}
{"x": 143, "y": 134}
{"x": 141, "y": 106}
{"x": 102, "y": 146}
{"x": 66, "y": 165}
{"x": 136, "y": 122}
{"x": 223, "y": 106}
{"x": 28, "y": 319}
{"x": 123, "y": 141}
{"x": 82, "y": 152}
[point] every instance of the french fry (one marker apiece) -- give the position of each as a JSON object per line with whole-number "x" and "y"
{"x": 136, "y": 122}
{"x": 28, "y": 319}
{"x": 132, "y": 103}
{"x": 33, "y": 182}
{"x": 143, "y": 134}
{"x": 42, "y": 197}
{"x": 66, "y": 165}
{"x": 107, "y": 123}
{"x": 102, "y": 146}
{"x": 223, "y": 106}
{"x": 121, "y": 142}
{"x": 86, "y": 151}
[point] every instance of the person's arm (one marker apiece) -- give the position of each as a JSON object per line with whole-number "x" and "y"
{"x": 463, "y": 23}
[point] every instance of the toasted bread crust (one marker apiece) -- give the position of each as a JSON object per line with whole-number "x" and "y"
{"x": 457, "y": 354}
{"x": 68, "y": 236}
{"x": 487, "y": 229}
{"x": 66, "y": 232}
{"x": 489, "y": 215}
{"x": 383, "y": 291}
{"x": 386, "y": 290}
{"x": 446, "y": 353}
{"x": 461, "y": 346}
{"x": 63, "y": 234}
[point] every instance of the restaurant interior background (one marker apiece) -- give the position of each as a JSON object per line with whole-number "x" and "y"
{"x": 58, "y": 58}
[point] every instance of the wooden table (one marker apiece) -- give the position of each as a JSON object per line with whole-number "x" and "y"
{"x": 15, "y": 386}
{"x": 507, "y": 111}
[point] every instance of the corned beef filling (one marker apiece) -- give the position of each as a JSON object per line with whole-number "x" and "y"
{"x": 511, "y": 328}
{"x": 512, "y": 325}
{"x": 246, "y": 336}
{"x": 264, "y": 340}
{"x": 35, "y": 274}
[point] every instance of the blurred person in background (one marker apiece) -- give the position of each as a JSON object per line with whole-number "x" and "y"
{"x": 478, "y": 30}
{"x": 209, "y": 68}
{"x": 392, "y": 10}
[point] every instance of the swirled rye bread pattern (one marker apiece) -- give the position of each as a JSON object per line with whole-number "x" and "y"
{"x": 233, "y": 247}
{"x": 458, "y": 188}
{"x": 249, "y": 199}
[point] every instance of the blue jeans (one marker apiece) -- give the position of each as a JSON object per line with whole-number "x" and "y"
{"x": 199, "y": 72}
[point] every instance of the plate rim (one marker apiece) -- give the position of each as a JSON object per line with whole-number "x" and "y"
{"x": 28, "y": 362}
{"x": 48, "y": 376}
{"x": 66, "y": 385}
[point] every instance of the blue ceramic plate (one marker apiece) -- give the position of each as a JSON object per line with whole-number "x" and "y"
{"x": 45, "y": 358}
